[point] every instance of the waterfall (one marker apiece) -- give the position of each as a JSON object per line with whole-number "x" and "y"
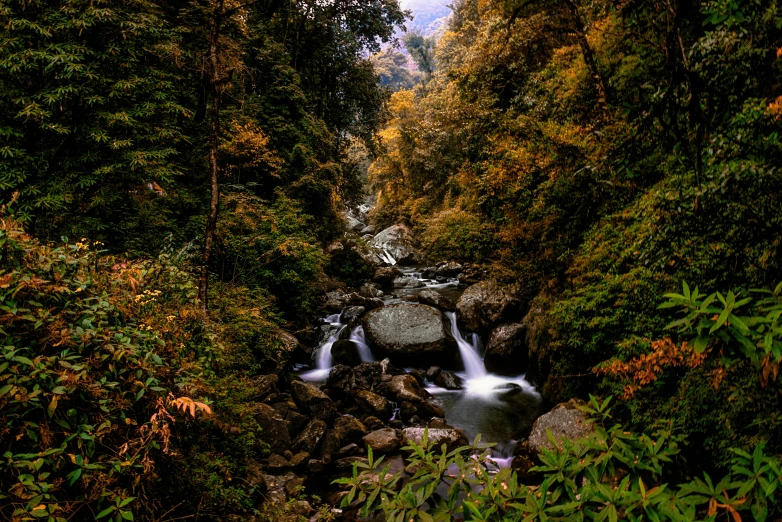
{"x": 325, "y": 361}
{"x": 473, "y": 364}
{"x": 357, "y": 336}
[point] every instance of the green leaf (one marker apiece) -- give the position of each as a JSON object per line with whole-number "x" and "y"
{"x": 106, "y": 511}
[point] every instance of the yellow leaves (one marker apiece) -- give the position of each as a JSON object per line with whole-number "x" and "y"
{"x": 775, "y": 108}
{"x": 249, "y": 147}
{"x": 186, "y": 404}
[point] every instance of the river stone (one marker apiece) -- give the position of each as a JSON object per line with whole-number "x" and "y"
{"x": 345, "y": 352}
{"x": 435, "y": 299}
{"x": 382, "y": 441}
{"x": 486, "y": 304}
{"x": 296, "y": 422}
{"x": 372, "y": 403}
{"x": 348, "y": 429}
{"x": 313, "y": 401}
{"x": 309, "y": 438}
{"x": 263, "y": 385}
{"x": 370, "y": 290}
{"x": 433, "y": 372}
{"x": 451, "y": 437}
{"x": 329, "y": 446}
{"x": 408, "y": 282}
{"x": 299, "y": 459}
{"x": 354, "y": 224}
{"x": 449, "y": 269}
{"x": 506, "y": 351}
{"x": 277, "y": 463}
{"x": 335, "y": 301}
{"x": 410, "y": 334}
{"x": 405, "y": 388}
{"x": 448, "y": 380}
{"x": 384, "y": 276}
{"x": 353, "y": 313}
{"x": 276, "y": 486}
{"x": 398, "y": 241}
{"x": 565, "y": 421}
{"x": 274, "y": 429}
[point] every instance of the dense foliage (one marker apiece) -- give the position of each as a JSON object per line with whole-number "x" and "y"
{"x": 600, "y": 154}
{"x": 612, "y": 475}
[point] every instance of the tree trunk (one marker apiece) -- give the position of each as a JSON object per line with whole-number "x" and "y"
{"x": 589, "y": 57}
{"x": 214, "y": 73}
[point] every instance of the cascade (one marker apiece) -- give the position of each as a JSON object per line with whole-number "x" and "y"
{"x": 357, "y": 336}
{"x": 473, "y": 364}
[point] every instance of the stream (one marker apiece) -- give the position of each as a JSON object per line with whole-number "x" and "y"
{"x": 498, "y": 407}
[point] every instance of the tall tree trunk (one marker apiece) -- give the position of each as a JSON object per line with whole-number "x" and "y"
{"x": 215, "y": 80}
{"x": 589, "y": 57}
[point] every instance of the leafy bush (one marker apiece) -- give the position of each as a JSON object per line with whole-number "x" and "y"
{"x": 611, "y": 475}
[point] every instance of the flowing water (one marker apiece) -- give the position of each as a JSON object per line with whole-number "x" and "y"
{"x": 499, "y": 408}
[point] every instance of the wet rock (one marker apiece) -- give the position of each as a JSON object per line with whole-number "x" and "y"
{"x": 437, "y": 300}
{"x": 277, "y": 463}
{"x": 407, "y": 410}
{"x": 343, "y": 379}
{"x": 506, "y": 351}
{"x": 429, "y": 272}
{"x": 372, "y": 403}
{"x": 296, "y": 422}
{"x": 353, "y": 313}
{"x": 348, "y": 451}
{"x": 419, "y": 375}
{"x": 369, "y": 229}
{"x": 263, "y": 385}
{"x": 345, "y": 352}
{"x": 405, "y": 388}
{"x": 433, "y": 372}
{"x": 449, "y": 269}
{"x": 410, "y": 334}
{"x": 275, "y": 486}
{"x": 315, "y": 466}
{"x": 451, "y": 437}
{"x": 382, "y": 441}
{"x": 335, "y": 301}
{"x": 329, "y": 446}
{"x": 565, "y": 421}
{"x": 309, "y": 438}
{"x": 313, "y": 401}
{"x": 488, "y": 303}
{"x": 299, "y": 459}
{"x": 441, "y": 280}
{"x": 274, "y": 429}
{"x": 282, "y": 408}
{"x": 408, "y": 282}
{"x": 384, "y": 276}
{"x": 294, "y": 486}
{"x": 349, "y": 429}
{"x": 354, "y": 224}
{"x": 448, "y": 380}
{"x": 370, "y": 290}
{"x": 396, "y": 241}
{"x": 373, "y": 423}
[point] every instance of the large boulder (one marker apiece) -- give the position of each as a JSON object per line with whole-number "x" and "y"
{"x": 382, "y": 441}
{"x": 435, "y": 299}
{"x": 348, "y": 429}
{"x": 448, "y": 380}
{"x": 396, "y": 241}
{"x": 451, "y": 437}
{"x": 385, "y": 275}
{"x": 410, "y": 334}
{"x": 343, "y": 379}
{"x": 313, "y": 401}
{"x": 309, "y": 438}
{"x": 274, "y": 429}
{"x": 449, "y": 269}
{"x": 487, "y": 304}
{"x": 506, "y": 351}
{"x": 565, "y": 421}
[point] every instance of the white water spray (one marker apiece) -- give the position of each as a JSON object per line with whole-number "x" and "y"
{"x": 357, "y": 336}
{"x": 473, "y": 364}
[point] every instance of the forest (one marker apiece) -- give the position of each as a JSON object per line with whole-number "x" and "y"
{"x": 300, "y": 260}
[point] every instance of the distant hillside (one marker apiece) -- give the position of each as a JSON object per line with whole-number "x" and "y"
{"x": 428, "y": 14}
